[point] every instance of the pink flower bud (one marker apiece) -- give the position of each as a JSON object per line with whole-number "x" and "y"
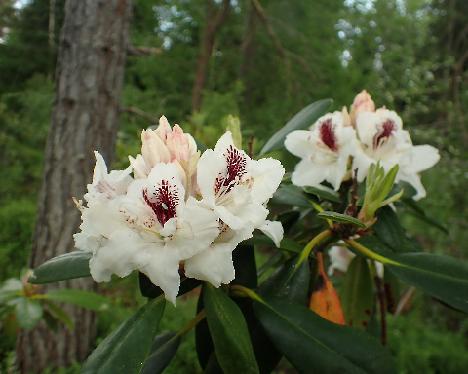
{"x": 362, "y": 103}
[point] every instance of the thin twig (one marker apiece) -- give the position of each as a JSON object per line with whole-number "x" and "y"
{"x": 140, "y": 113}
{"x": 405, "y": 299}
{"x": 383, "y": 310}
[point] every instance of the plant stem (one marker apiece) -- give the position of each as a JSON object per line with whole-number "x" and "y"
{"x": 246, "y": 292}
{"x": 370, "y": 254}
{"x": 192, "y": 323}
{"x": 310, "y": 245}
{"x": 383, "y": 310}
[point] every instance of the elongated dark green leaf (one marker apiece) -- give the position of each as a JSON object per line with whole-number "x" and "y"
{"x": 442, "y": 277}
{"x": 85, "y": 299}
{"x": 343, "y": 218}
{"x": 389, "y": 230}
{"x": 124, "y": 350}
{"x": 243, "y": 258}
{"x": 358, "y": 297}
{"x": 289, "y": 282}
{"x": 314, "y": 345}
{"x": 203, "y": 342}
{"x": 28, "y": 312}
{"x": 288, "y": 194}
{"x": 303, "y": 119}
{"x": 67, "y": 266}
{"x": 228, "y": 328}
{"x": 164, "y": 348}
{"x": 323, "y": 194}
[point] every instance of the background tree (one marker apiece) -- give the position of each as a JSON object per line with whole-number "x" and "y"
{"x": 90, "y": 71}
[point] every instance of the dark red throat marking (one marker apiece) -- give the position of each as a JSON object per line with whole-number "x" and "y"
{"x": 236, "y": 164}
{"x": 163, "y": 201}
{"x": 388, "y": 127}
{"x": 327, "y": 135}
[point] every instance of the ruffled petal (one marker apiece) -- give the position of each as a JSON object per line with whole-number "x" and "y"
{"x": 213, "y": 265}
{"x": 267, "y": 174}
{"x": 210, "y": 166}
{"x": 307, "y": 173}
{"x": 162, "y": 269}
{"x": 274, "y": 230}
{"x": 299, "y": 144}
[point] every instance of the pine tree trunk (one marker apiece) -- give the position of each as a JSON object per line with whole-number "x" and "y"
{"x": 89, "y": 78}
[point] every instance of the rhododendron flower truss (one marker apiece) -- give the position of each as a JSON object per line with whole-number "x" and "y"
{"x": 324, "y": 151}
{"x": 383, "y": 140}
{"x": 151, "y": 228}
{"x": 236, "y": 188}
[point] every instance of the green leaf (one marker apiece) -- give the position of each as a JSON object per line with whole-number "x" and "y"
{"x": 228, "y": 328}
{"x": 323, "y": 193}
{"x": 442, "y": 277}
{"x": 85, "y": 299}
{"x": 124, "y": 350}
{"x": 28, "y": 312}
{"x": 203, "y": 342}
{"x": 59, "y": 314}
{"x": 313, "y": 344}
{"x": 11, "y": 288}
{"x": 164, "y": 348}
{"x": 289, "y": 282}
{"x": 358, "y": 296}
{"x": 389, "y": 230}
{"x": 243, "y": 258}
{"x": 67, "y": 266}
{"x": 288, "y": 194}
{"x": 343, "y": 218}
{"x": 303, "y": 119}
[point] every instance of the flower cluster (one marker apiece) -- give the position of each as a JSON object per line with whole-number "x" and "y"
{"x": 341, "y": 142}
{"x": 180, "y": 212}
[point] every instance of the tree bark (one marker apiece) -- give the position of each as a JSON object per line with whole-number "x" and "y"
{"x": 89, "y": 77}
{"x": 214, "y": 20}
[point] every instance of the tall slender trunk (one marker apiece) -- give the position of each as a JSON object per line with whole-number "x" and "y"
{"x": 214, "y": 20}
{"x": 89, "y": 77}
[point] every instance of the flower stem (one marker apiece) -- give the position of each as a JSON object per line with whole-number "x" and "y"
{"x": 192, "y": 323}
{"x": 313, "y": 243}
{"x": 246, "y": 292}
{"x": 371, "y": 254}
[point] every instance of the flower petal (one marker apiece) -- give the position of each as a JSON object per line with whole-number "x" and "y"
{"x": 299, "y": 144}
{"x": 210, "y": 165}
{"x": 274, "y": 230}
{"x": 213, "y": 265}
{"x": 267, "y": 174}
{"x": 162, "y": 269}
{"x": 307, "y": 173}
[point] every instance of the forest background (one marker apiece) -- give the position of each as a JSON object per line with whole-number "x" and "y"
{"x": 266, "y": 61}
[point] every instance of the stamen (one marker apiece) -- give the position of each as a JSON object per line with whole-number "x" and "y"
{"x": 163, "y": 201}
{"x": 388, "y": 127}
{"x": 327, "y": 135}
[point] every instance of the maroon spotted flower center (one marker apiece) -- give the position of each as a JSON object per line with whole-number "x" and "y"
{"x": 388, "y": 127}
{"x": 163, "y": 200}
{"x": 236, "y": 164}
{"x": 327, "y": 135}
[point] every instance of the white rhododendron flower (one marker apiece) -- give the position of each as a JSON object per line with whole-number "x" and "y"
{"x": 153, "y": 224}
{"x": 368, "y": 136}
{"x": 341, "y": 257}
{"x": 324, "y": 151}
{"x": 383, "y": 140}
{"x": 236, "y": 188}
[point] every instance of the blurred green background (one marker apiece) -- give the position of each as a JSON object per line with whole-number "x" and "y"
{"x": 412, "y": 55}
